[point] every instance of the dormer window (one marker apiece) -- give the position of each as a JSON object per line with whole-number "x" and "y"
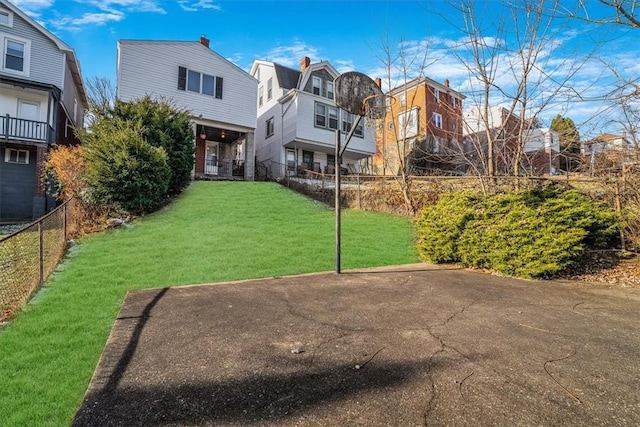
{"x": 322, "y": 87}
{"x": 316, "y": 85}
{"x": 330, "y": 90}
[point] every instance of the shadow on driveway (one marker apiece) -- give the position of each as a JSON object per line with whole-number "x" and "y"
{"x": 410, "y": 345}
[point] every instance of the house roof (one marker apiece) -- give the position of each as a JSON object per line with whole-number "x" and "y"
{"x": 72, "y": 60}
{"x": 183, "y": 42}
{"x": 287, "y": 77}
{"x": 423, "y": 80}
{"x": 608, "y": 137}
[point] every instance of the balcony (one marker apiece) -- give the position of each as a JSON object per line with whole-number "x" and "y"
{"x": 13, "y": 128}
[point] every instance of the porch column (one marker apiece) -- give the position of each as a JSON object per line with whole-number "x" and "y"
{"x": 249, "y": 157}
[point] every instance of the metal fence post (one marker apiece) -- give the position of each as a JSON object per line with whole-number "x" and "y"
{"x": 41, "y": 252}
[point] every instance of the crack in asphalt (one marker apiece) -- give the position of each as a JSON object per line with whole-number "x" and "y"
{"x": 443, "y": 346}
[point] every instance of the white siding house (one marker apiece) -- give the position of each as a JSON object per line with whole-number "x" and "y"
{"x": 42, "y": 98}
{"x": 298, "y": 119}
{"x": 219, "y": 96}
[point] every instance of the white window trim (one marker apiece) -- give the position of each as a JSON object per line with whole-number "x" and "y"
{"x": 317, "y": 79}
{"x": 7, "y": 156}
{"x": 436, "y": 94}
{"x": 260, "y": 96}
{"x": 10, "y": 18}
{"x": 436, "y": 119}
{"x": 26, "y": 65}
{"x": 269, "y": 88}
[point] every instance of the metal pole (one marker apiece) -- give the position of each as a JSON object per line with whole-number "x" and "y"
{"x": 337, "y": 164}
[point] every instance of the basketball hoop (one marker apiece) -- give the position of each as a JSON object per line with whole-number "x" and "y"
{"x": 357, "y": 94}
{"x": 375, "y": 108}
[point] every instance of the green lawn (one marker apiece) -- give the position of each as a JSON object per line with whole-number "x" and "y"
{"x": 213, "y": 232}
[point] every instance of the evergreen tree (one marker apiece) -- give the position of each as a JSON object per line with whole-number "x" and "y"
{"x": 569, "y": 140}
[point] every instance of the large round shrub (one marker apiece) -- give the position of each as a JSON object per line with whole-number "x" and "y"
{"x": 164, "y": 125}
{"x": 535, "y": 233}
{"x": 123, "y": 168}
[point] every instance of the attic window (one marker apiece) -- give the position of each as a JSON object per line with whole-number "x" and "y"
{"x": 6, "y": 18}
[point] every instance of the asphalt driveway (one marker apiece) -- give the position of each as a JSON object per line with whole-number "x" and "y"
{"x": 411, "y": 345}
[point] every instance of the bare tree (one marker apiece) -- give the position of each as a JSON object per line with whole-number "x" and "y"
{"x": 623, "y": 12}
{"x": 511, "y": 66}
{"x": 403, "y": 63}
{"x": 101, "y": 95}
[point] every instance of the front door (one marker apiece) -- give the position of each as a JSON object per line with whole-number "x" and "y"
{"x": 211, "y": 158}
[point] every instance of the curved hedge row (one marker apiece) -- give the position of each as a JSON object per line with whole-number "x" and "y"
{"x": 531, "y": 234}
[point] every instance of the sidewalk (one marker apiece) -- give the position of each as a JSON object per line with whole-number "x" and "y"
{"x": 408, "y": 345}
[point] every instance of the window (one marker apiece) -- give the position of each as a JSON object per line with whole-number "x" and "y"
{"x": 307, "y": 159}
{"x": 436, "y": 94}
{"x": 260, "y": 96}
{"x": 291, "y": 160}
{"x": 454, "y": 102}
{"x": 321, "y": 115}
{"x": 437, "y": 120}
{"x": 330, "y": 90}
{"x": 408, "y": 124}
{"x": 197, "y": 82}
{"x": 269, "y": 127}
{"x": 359, "y": 129}
{"x": 331, "y": 159}
{"x": 15, "y": 54}
{"x": 347, "y": 122}
{"x": 182, "y": 78}
{"x": 193, "y": 81}
{"x": 16, "y": 156}
{"x": 208, "y": 84}
{"x": 6, "y": 18}
{"x": 403, "y": 99}
{"x": 316, "y": 85}
{"x": 333, "y": 118}
{"x": 390, "y": 125}
{"x": 218, "y": 87}
{"x": 269, "y": 88}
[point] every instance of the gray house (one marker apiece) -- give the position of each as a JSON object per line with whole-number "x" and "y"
{"x": 42, "y": 98}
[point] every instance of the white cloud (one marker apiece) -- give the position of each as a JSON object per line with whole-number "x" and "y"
{"x": 33, "y": 7}
{"x": 290, "y": 55}
{"x": 191, "y": 6}
{"x": 152, "y": 6}
{"x": 74, "y": 24}
{"x": 344, "y": 65}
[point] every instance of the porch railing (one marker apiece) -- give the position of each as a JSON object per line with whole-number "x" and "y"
{"x": 23, "y": 129}
{"x": 225, "y": 169}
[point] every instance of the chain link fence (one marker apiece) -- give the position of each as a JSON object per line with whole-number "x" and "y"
{"x": 30, "y": 255}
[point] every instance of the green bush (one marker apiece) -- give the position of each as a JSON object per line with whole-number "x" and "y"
{"x": 530, "y": 234}
{"x": 445, "y": 221}
{"x": 123, "y": 168}
{"x": 164, "y": 126}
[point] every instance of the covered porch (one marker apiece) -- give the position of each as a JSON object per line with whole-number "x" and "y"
{"x": 223, "y": 153}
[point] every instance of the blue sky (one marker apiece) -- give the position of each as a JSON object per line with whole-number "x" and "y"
{"x": 349, "y": 34}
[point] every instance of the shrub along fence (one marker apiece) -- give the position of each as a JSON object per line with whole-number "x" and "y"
{"x": 29, "y": 256}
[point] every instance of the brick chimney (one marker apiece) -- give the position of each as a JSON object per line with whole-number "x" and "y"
{"x": 304, "y": 63}
{"x": 204, "y": 40}
{"x": 446, "y": 82}
{"x": 378, "y": 82}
